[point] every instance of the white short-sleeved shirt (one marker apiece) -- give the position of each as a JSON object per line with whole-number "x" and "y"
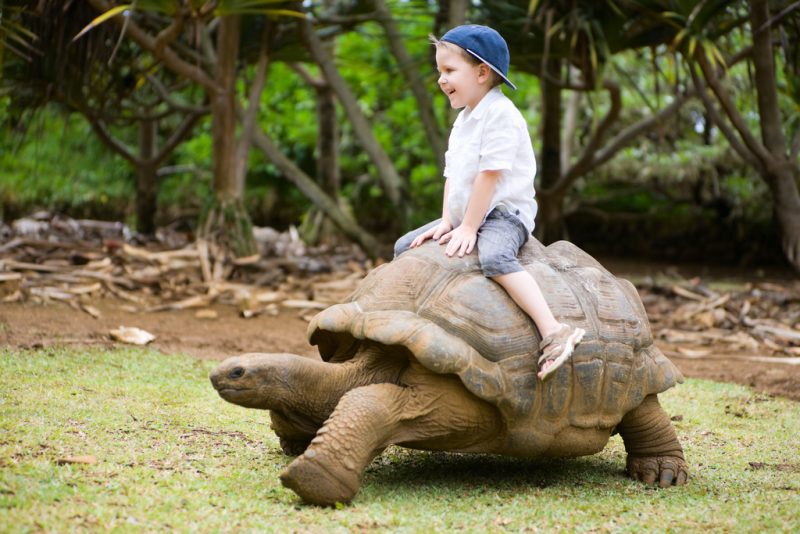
{"x": 492, "y": 137}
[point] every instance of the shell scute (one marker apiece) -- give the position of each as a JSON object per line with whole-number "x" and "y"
{"x": 478, "y": 313}
{"x": 589, "y": 378}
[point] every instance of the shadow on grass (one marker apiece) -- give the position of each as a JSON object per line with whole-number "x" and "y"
{"x": 407, "y": 470}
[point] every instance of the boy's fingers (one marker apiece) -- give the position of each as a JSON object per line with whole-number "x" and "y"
{"x": 452, "y": 247}
{"x": 418, "y": 241}
{"x": 422, "y": 238}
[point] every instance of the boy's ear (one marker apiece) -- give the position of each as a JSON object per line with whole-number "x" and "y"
{"x": 484, "y": 72}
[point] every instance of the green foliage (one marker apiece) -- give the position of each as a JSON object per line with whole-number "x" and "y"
{"x": 606, "y": 37}
{"x": 171, "y": 455}
{"x": 665, "y": 181}
{"x": 49, "y": 160}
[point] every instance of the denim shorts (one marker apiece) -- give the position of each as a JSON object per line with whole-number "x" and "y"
{"x": 500, "y": 237}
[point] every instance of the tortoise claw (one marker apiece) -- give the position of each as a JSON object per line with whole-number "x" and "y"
{"x": 665, "y": 470}
{"x": 667, "y": 476}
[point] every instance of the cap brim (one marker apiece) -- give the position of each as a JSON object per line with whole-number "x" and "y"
{"x": 495, "y": 69}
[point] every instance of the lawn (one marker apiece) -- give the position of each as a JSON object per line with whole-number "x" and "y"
{"x": 134, "y": 440}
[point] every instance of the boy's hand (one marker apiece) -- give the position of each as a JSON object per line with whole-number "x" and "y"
{"x": 434, "y": 233}
{"x": 460, "y": 241}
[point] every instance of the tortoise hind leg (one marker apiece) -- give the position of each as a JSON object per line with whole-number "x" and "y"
{"x": 654, "y": 453}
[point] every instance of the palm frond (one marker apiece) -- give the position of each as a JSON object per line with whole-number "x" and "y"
{"x": 108, "y": 15}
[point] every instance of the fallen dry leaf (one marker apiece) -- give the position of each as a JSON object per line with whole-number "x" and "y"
{"x": 304, "y": 304}
{"x": 91, "y": 310}
{"x": 685, "y": 293}
{"x": 206, "y": 314}
{"x": 132, "y": 335}
{"x": 694, "y": 353}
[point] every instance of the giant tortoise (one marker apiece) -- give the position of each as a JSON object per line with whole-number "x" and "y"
{"x": 427, "y": 353}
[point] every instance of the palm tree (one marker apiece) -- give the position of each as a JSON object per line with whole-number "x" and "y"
{"x": 116, "y": 89}
{"x": 202, "y": 44}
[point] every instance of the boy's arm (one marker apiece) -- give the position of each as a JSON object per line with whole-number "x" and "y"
{"x": 462, "y": 239}
{"x": 445, "y": 211}
{"x": 442, "y": 228}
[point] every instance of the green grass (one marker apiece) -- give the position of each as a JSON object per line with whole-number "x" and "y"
{"x": 171, "y": 455}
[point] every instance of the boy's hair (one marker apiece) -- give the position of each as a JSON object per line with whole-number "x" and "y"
{"x": 496, "y": 80}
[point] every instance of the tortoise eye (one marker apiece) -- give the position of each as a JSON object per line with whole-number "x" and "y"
{"x": 236, "y": 372}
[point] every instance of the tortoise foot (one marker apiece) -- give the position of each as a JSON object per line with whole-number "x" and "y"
{"x": 320, "y": 484}
{"x": 664, "y": 470}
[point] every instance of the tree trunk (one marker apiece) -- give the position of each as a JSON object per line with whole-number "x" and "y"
{"x": 550, "y": 220}
{"x": 226, "y": 222}
{"x": 393, "y": 185}
{"x": 223, "y": 110}
{"x": 458, "y": 13}
{"x": 780, "y": 172}
{"x": 146, "y": 178}
{"x": 327, "y": 141}
{"x": 412, "y": 75}
{"x": 314, "y": 192}
{"x": 234, "y": 232}
{"x": 570, "y": 128}
{"x": 146, "y": 162}
{"x": 782, "y": 181}
{"x": 317, "y": 227}
{"x": 250, "y": 115}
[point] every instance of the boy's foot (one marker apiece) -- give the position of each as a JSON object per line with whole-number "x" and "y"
{"x": 557, "y": 348}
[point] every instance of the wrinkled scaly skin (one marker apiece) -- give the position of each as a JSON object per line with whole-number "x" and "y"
{"x": 337, "y": 417}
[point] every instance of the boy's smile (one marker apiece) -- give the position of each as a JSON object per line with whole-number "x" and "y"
{"x": 464, "y": 83}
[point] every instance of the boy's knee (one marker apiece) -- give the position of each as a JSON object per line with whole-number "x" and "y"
{"x": 494, "y": 265}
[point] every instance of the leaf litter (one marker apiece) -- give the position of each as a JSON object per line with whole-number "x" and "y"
{"x": 51, "y": 258}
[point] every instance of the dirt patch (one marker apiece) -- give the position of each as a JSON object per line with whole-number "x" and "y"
{"x": 28, "y": 325}
{"x": 779, "y": 379}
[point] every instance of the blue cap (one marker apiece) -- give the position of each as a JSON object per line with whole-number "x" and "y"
{"x": 485, "y": 44}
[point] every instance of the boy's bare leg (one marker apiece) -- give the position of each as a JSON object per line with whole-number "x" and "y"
{"x": 524, "y": 290}
{"x": 558, "y": 340}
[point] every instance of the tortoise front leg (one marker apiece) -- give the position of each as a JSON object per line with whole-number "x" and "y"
{"x": 438, "y": 414}
{"x": 329, "y": 471}
{"x": 654, "y": 453}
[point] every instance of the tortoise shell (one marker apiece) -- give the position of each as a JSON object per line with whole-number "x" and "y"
{"x": 452, "y": 319}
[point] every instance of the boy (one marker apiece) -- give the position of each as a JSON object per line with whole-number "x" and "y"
{"x": 489, "y": 170}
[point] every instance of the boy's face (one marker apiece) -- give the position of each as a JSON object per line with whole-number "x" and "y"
{"x": 463, "y": 82}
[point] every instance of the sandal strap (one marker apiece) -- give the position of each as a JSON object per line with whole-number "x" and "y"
{"x": 551, "y": 354}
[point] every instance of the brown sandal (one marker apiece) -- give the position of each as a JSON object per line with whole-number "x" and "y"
{"x": 557, "y": 348}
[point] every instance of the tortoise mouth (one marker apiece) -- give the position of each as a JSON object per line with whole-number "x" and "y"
{"x": 232, "y": 393}
{"x": 245, "y": 397}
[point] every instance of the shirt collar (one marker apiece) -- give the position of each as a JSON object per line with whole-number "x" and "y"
{"x": 480, "y": 110}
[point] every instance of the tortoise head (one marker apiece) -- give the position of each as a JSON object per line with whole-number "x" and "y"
{"x": 255, "y": 380}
